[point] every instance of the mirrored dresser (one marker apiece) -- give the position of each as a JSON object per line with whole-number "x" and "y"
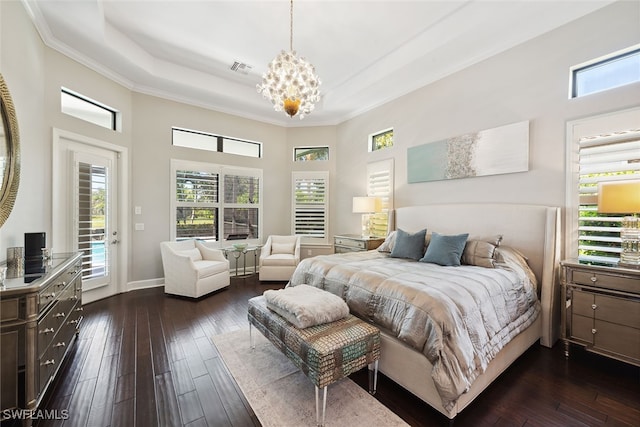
{"x": 601, "y": 310}
{"x": 40, "y": 315}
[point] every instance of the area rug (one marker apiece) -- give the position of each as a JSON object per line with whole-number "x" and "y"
{"x": 282, "y": 396}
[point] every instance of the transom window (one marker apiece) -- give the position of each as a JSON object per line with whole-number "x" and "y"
{"x": 309, "y": 154}
{"x": 618, "y": 69}
{"x": 211, "y": 142}
{"x": 381, "y": 140}
{"x": 87, "y": 109}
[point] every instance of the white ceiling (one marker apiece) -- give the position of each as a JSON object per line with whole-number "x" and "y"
{"x": 365, "y": 52}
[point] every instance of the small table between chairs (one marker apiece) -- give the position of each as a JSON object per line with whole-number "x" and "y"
{"x": 242, "y": 251}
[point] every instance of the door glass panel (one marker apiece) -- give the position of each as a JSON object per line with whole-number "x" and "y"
{"x": 92, "y": 209}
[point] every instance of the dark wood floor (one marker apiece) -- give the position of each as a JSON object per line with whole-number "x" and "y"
{"x": 144, "y": 359}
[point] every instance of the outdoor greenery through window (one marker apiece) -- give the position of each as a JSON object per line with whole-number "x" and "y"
{"x": 211, "y": 142}
{"x": 307, "y": 154}
{"x": 616, "y": 70}
{"x": 610, "y": 157}
{"x": 206, "y": 193}
{"x": 381, "y": 140}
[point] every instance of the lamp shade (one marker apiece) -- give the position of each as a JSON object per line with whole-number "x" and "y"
{"x": 621, "y": 197}
{"x": 366, "y": 204}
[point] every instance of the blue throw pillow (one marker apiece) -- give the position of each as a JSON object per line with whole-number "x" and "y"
{"x": 409, "y": 245}
{"x": 445, "y": 250}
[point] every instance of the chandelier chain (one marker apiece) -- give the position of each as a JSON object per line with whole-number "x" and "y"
{"x": 291, "y": 28}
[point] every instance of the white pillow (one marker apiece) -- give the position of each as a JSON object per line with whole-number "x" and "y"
{"x": 282, "y": 248}
{"x": 194, "y": 254}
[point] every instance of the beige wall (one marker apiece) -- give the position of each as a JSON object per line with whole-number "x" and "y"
{"x": 529, "y": 82}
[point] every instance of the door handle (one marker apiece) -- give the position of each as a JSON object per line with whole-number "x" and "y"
{"x": 115, "y": 241}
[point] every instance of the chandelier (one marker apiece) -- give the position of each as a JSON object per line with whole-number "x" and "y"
{"x": 291, "y": 83}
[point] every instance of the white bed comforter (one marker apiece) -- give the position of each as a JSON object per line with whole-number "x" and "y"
{"x": 458, "y": 317}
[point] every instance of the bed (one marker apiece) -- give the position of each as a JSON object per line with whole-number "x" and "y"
{"x": 443, "y": 368}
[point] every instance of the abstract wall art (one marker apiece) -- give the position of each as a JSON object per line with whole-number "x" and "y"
{"x": 500, "y": 150}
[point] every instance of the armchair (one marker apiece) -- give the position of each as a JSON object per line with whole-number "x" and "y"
{"x": 279, "y": 257}
{"x": 193, "y": 269}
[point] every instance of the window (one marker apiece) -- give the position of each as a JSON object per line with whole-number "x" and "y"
{"x": 307, "y": 154}
{"x": 616, "y": 70}
{"x": 380, "y": 184}
{"x": 241, "y": 202}
{"x": 206, "y": 192}
{"x": 311, "y": 205}
{"x": 210, "y": 142}
{"x": 612, "y": 157}
{"x": 381, "y": 140}
{"x": 87, "y": 109}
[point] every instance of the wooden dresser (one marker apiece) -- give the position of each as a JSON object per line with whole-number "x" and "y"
{"x": 355, "y": 243}
{"x": 602, "y": 310}
{"x": 40, "y": 314}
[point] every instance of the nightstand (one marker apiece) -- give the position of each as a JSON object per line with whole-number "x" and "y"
{"x": 355, "y": 243}
{"x": 601, "y": 310}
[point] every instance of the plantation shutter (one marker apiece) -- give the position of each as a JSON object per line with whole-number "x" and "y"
{"x": 602, "y": 158}
{"x": 380, "y": 184}
{"x": 92, "y": 187}
{"x": 310, "y": 204}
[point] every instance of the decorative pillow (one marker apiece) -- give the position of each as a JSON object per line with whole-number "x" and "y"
{"x": 408, "y": 245}
{"x": 445, "y": 250}
{"x": 506, "y": 255}
{"x": 389, "y": 242}
{"x": 282, "y": 248}
{"x": 479, "y": 253}
{"x": 194, "y": 254}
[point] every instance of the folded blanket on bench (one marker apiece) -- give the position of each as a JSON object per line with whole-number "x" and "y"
{"x": 305, "y": 306}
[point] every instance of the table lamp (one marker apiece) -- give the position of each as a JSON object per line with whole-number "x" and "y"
{"x": 366, "y": 206}
{"x": 623, "y": 197}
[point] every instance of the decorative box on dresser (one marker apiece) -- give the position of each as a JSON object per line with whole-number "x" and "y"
{"x": 355, "y": 243}
{"x": 40, "y": 314}
{"x": 602, "y": 310}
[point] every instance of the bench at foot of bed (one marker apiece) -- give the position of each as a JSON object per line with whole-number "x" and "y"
{"x": 325, "y": 353}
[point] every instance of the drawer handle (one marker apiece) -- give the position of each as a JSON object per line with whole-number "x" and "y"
{"x": 593, "y": 331}
{"x": 49, "y": 296}
{"x": 73, "y": 298}
{"x": 594, "y": 279}
{"x": 59, "y": 315}
{"x": 60, "y": 344}
{"x": 47, "y": 331}
{"x": 73, "y": 322}
{"x": 48, "y": 362}
{"x": 61, "y": 285}
{"x": 594, "y": 306}
{"x": 79, "y": 309}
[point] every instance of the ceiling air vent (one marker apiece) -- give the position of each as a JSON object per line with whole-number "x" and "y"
{"x": 241, "y": 68}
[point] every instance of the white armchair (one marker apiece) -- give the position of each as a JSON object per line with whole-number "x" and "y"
{"x": 279, "y": 257}
{"x": 193, "y": 269}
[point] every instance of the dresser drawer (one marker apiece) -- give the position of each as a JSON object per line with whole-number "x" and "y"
{"x": 621, "y": 340}
{"x": 617, "y": 310}
{"x": 582, "y": 303}
{"x": 356, "y": 244}
{"x": 609, "y": 281}
{"x": 582, "y": 328}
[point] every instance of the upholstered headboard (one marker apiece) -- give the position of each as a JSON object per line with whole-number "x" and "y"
{"x": 532, "y": 229}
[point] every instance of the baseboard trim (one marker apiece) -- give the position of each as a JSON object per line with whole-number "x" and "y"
{"x": 145, "y": 284}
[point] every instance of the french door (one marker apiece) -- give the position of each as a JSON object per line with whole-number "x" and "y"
{"x": 86, "y": 210}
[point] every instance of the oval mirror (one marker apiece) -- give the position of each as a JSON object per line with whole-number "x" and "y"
{"x": 9, "y": 153}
